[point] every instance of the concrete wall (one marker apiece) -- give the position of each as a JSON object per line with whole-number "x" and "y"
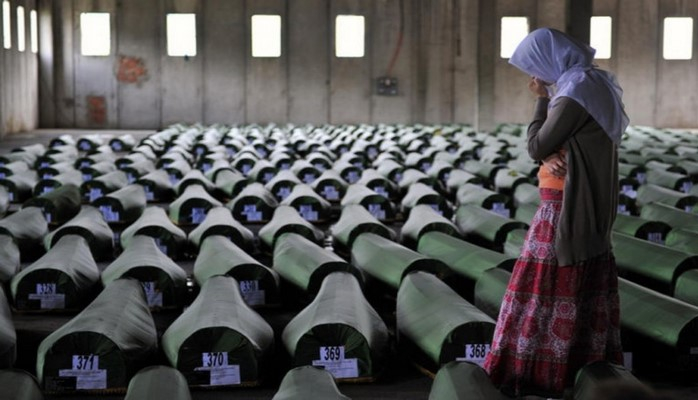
{"x": 448, "y": 64}
{"x": 19, "y": 95}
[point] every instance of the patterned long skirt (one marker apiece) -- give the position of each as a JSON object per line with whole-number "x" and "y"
{"x": 554, "y": 319}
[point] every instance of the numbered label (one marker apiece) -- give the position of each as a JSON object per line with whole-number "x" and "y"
{"x": 45, "y": 288}
{"x": 377, "y": 211}
{"x": 88, "y": 362}
{"x": 215, "y": 359}
{"x": 152, "y": 294}
{"x": 332, "y": 353}
{"x": 475, "y": 353}
{"x": 332, "y": 360}
{"x": 308, "y": 213}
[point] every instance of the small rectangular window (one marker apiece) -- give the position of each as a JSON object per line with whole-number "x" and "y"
{"x": 95, "y": 34}
{"x": 21, "y": 30}
{"x": 34, "y": 31}
{"x": 7, "y": 25}
{"x": 266, "y": 36}
{"x": 514, "y": 30}
{"x": 600, "y": 36}
{"x": 181, "y": 35}
{"x": 349, "y": 36}
{"x": 678, "y": 38}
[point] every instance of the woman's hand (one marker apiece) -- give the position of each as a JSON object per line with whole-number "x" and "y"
{"x": 556, "y": 164}
{"x": 538, "y": 87}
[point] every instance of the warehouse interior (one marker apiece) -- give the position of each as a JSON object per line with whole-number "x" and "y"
{"x": 410, "y": 115}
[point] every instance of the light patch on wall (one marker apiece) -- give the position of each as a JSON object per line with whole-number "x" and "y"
{"x": 21, "y": 30}
{"x": 7, "y": 25}
{"x": 181, "y": 35}
{"x": 266, "y": 36}
{"x": 34, "y": 31}
{"x": 600, "y": 36}
{"x": 678, "y": 38}
{"x": 513, "y": 31}
{"x": 349, "y": 36}
{"x": 95, "y": 34}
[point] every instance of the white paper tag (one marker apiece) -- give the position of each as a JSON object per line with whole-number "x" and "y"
{"x": 87, "y": 373}
{"x": 95, "y": 193}
{"x": 332, "y": 360}
{"x": 629, "y": 191}
{"x": 221, "y": 372}
{"x": 198, "y": 215}
{"x": 153, "y": 295}
{"x": 251, "y": 293}
{"x": 109, "y": 214}
{"x": 501, "y": 209}
{"x": 330, "y": 193}
{"x": 250, "y": 211}
{"x": 381, "y": 191}
{"x": 475, "y": 353}
{"x": 309, "y": 178}
{"x": 283, "y": 192}
{"x": 377, "y": 211}
{"x": 47, "y": 294}
{"x": 352, "y": 176}
{"x": 308, "y": 213}
{"x": 655, "y": 237}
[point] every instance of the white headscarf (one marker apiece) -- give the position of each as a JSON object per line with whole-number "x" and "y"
{"x": 555, "y": 57}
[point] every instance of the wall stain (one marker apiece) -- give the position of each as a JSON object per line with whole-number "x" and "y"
{"x": 131, "y": 70}
{"x": 97, "y": 110}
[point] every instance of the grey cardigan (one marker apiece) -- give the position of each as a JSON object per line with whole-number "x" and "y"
{"x": 590, "y": 199}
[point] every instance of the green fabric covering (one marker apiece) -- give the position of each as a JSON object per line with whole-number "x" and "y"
{"x": 176, "y": 169}
{"x": 378, "y": 206}
{"x": 355, "y": 220}
{"x": 526, "y": 193}
{"x": 157, "y": 185}
{"x": 667, "y": 179}
{"x": 17, "y": 384}
{"x": 506, "y": 180}
{"x": 303, "y": 383}
{"x": 525, "y": 166}
{"x": 310, "y": 205}
{"x": 514, "y": 243}
{"x": 305, "y": 264}
{"x": 390, "y": 262}
{"x": 155, "y": 223}
{"x": 123, "y": 142}
{"x": 339, "y": 315}
{"x": 191, "y": 206}
{"x": 683, "y": 239}
{"x": 287, "y": 219}
{"x": 58, "y": 205}
{"x": 259, "y": 285}
{"x": 90, "y": 225}
{"x": 671, "y": 215}
{"x": 8, "y": 337}
{"x": 194, "y": 177}
{"x": 489, "y": 290}
{"x": 630, "y": 170}
{"x": 165, "y": 281}
{"x": 464, "y": 258}
{"x": 375, "y": 181}
{"x": 686, "y": 287}
{"x": 28, "y": 228}
{"x": 652, "y": 193}
{"x": 641, "y": 228}
{"x": 463, "y": 380}
{"x": 348, "y": 171}
{"x": 102, "y": 185}
{"x": 140, "y": 169}
{"x": 330, "y": 186}
{"x": 439, "y": 321}
{"x": 422, "y": 220}
{"x": 9, "y": 258}
{"x": 98, "y": 169}
{"x": 262, "y": 172}
{"x": 525, "y": 212}
{"x": 282, "y": 184}
{"x": 14, "y": 167}
{"x": 391, "y": 169}
{"x": 484, "y": 170}
{"x": 485, "y": 198}
{"x": 68, "y": 178}
{"x": 230, "y": 182}
{"x": 117, "y": 327}
{"x": 20, "y": 186}
{"x": 305, "y": 171}
{"x": 253, "y": 204}
{"x": 123, "y": 205}
{"x": 441, "y": 169}
{"x": 410, "y": 176}
{"x": 588, "y": 379}
{"x": 218, "y": 321}
{"x": 63, "y": 278}
{"x": 651, "y": 264}
{"x": 158, "y": 383}
{"x": 219, "y": 221}
{"x": 458, "y": 178}
{"x": 421, "y": 194}
{"x": 484, "y": 226}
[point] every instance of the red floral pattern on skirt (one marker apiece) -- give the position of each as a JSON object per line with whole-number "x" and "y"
{"x": 553, "y": 319}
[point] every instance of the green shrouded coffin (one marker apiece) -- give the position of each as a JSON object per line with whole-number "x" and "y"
{"x": 650, "y": 264}
{"x": 330, "y": 186}
{"x": 310, "y": 205}
{"x": 421, "y": 194}
{"x": 353, "y": 221}
{"x": 653, "y": 231}
{"x": 155, "y": 223}
{"x": 192, "y": 206}
{"x": 282, "y": 184}
{"x": 90, "y": 225}
{"x": 139, "y": 169}
{"x": 441, "y": 169}
{"x": 9, "y": 258}
{"x": 219, "y": 221}
{"x": 17, "y": 384}
{"x": 27, "y": 227}
{"x": 103, "y": 346}
{"x": 683, "y": 239}
{"x": 463, "y": 380}
{"x": 671, "y": 215}
{"x": 158, "y": 383}
{"x": 263, "y": 171}
{"x": 307, "y": 382}
{"x": 411, "y": 176}
{"x": 375, "y": 181}
{"x": 484, "y": 170}
{"x": 58, "y": 205}
{"x": 485, "y": 227}
{"x": 124, "y": 205}
{"x": 219, "y": 340}
{"x": 305, "y": 171}
{"x": 46, "y": 185}
{"x": 671, "y": 180}
{"x": 391, "y": 169}
{"x": 379, "y": 206}
{"x": 525, "y": 212}
{"x": 459, "y": 177}
{"x": 650, "y": 193}
{"x": 194, "y": 177}
{"x": 122, "y": 142}
{"x": 524, "y": 165}
{"x": 485, "y": 198}
{"x": 348, "y": 171}
{"x": 506, "y": 180}
{"x": 489, "y": 290}
{"x": 259, "y": 285}
{"x": 686, "y": 287}
{"x": 591, "y": 376}
{"x": 230, "y": 182}
{"x": 339, "y": 331}
{"x": 64, "y": 278}
{"x": 157, "y": 185}
{"x": 390, "y": 262}
{"x": 422, "y": 220}
{"x": 514, "y": 243}
{"x": 664, "y": 328}
{"x": 20, "y": 185}
{"x": 254, "y": 204}
{"x": 305, "y": 264}
{"x": 97, "y": 169}
{"x": 102, "y": 185}
{"x": 8, "y": 336}
{"x": 287, "y": 220}
{"x": 526, "y": 193}
{"x": 163, "y": 280}
{"x": 440, "y": 323}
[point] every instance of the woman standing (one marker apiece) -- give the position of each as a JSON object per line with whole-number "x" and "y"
{"x": 561, "y": 307}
